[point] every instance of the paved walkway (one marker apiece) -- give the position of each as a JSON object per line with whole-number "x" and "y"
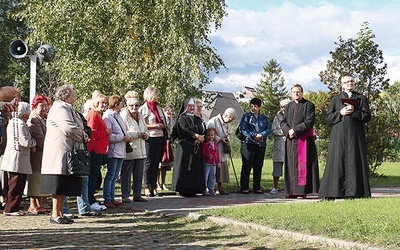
{"x": 128, "y": 226}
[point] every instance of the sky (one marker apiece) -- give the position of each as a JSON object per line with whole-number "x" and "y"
{"x": 298, "y": 34}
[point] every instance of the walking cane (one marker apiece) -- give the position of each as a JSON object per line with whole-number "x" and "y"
{"x": 234, "y": 171}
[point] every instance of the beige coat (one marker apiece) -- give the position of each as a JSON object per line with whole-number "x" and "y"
{"x": 134, "y": 129}
{"x": 64, "y": 128}
{"x": 18, "y": 161}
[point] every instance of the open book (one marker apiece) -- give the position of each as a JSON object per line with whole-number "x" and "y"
{"x": 351, "y": 101}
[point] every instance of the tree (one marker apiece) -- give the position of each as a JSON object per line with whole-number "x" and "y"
{"x": 115, "y": 45}
{"x": 12, "y": 71}
{"x": 271, "y": 89}
{"x": 362, "y": 58}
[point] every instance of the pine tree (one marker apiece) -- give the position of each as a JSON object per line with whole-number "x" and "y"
{"x": 271, "y": 89}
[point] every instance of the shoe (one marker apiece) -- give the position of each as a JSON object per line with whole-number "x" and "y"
{"x": 274, "y": 191}
{"x": 223, "y": 192}
{"x": 126, "y": 200}
{"x": 188, "y": 195}
{"x": 70, "y": 216}
{"x": 109, "y": 205}
{"x": 58, "y": 220}
{"x": 211, "y": 193}
{"x": 164, "y": 187}
{"x": 43, "y": 210}
{"x": 91, "y": 214}
{"x": 205, "y": 193}
{"x": 140, "y": 199}
{"x": 302, "y": 197}
{"x": 34, "y": 211}
{"x": 245, "y": 191}
{"x": 117, "y": 203}
{"x": 259, "y": 192}
{"x": 18, "y": 213}
{"x": 69, "y": 219}
{"x": 96, "y": 207}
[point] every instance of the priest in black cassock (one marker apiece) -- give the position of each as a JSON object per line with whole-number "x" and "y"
{"x": 301, "y": 159}
{"x": 346, "y": 172}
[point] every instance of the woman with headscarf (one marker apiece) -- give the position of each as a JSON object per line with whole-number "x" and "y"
{"x": 16, "y": 159}
{"x": 156, "y": 124}
{"x": 188, "y": 176}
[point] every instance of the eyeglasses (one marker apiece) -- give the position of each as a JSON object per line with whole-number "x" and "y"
{"x": 133, "y": 105}
{"x": 349, "y": 81}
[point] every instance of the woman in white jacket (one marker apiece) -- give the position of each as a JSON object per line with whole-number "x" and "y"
{"x": 134, "y": 161}
{"x": 116, "y": 149}
{"x": 16, "y": 159}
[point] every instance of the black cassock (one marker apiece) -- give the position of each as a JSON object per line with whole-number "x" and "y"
{"x": 346, "y": 171}
{"x": 301, "y": 117}
{"x": 188, "y": 173}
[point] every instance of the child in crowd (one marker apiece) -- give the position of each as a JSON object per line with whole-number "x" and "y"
{"x": 211, "y": 161}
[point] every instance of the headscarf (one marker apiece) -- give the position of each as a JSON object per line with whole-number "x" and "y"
{"x": 153, "y": 108}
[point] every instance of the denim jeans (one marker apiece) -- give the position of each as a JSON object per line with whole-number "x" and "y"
{"x": 65, "y": 206}
{"x": 129, "y": 168}
{"x": 209, "y": 175}
{"x": 113, "y": 169}
{"x": 83, "y": 200}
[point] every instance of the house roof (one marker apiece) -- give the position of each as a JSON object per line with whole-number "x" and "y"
{"x": 219, "y": 102}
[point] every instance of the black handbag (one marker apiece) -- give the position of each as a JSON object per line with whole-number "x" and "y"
{"x": 128, "y": 147}
{"x": 239, "y": 135}
{"x": 78, "y": 163}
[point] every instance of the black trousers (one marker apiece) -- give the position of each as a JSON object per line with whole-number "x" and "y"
{"x": 252, "y": 158}
{"x": 154, "y": 152}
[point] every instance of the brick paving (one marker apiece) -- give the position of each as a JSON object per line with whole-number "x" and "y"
{"x": 129, "y": 226}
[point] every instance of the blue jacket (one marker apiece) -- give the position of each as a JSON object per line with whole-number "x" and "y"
{"x": 250, "y": 126}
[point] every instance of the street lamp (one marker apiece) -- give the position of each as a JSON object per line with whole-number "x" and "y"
{"x": 46, "y": 53}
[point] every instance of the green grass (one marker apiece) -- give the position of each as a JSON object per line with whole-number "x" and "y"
{"x": 372, "y": 221}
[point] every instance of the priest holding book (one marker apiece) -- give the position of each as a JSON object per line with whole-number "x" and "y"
{"x": 346, "y": 171}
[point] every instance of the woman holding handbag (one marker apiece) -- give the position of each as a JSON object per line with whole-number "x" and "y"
{"x": 64, "y": 129}
{"x": 134, "y": 162}
{"x": 116, "y": 150}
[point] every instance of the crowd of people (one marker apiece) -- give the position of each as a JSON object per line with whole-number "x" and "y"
{"x": 133, "y": 142}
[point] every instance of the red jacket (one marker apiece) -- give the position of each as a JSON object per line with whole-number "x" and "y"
{"x": 99, "y": 139}
{"x": 210, "y": 154}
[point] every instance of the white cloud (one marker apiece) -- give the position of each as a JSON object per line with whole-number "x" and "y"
{"x": 299, "y": 38}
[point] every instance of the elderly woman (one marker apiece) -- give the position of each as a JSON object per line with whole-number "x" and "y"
{"x": 37, "y": 127}
{"x": 116, "y": 150}
{"x": 16, "y": 159}
{"x": 64, "y": 130}
{"x": 97, "y": 146}
{"x": 156, "y": 124}
{"x": 188, "y": 176}
{"x": 222, "y": 132}
{"x": 278, "y": 155}
{"x": 134, "y": 161}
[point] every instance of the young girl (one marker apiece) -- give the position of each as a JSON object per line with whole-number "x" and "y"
{"x": 211, "y": 161}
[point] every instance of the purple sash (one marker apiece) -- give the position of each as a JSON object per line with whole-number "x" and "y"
{"x": 302, "y": 158}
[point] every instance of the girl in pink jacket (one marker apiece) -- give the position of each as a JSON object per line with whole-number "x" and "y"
{"x": 211, "y": 161}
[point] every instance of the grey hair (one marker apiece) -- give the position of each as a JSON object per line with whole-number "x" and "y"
{"x": 63, "y": 92}
{"x": 150, "y": 93}
{"x": 23, "y": 108}
{"x": 231, "y": 113}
